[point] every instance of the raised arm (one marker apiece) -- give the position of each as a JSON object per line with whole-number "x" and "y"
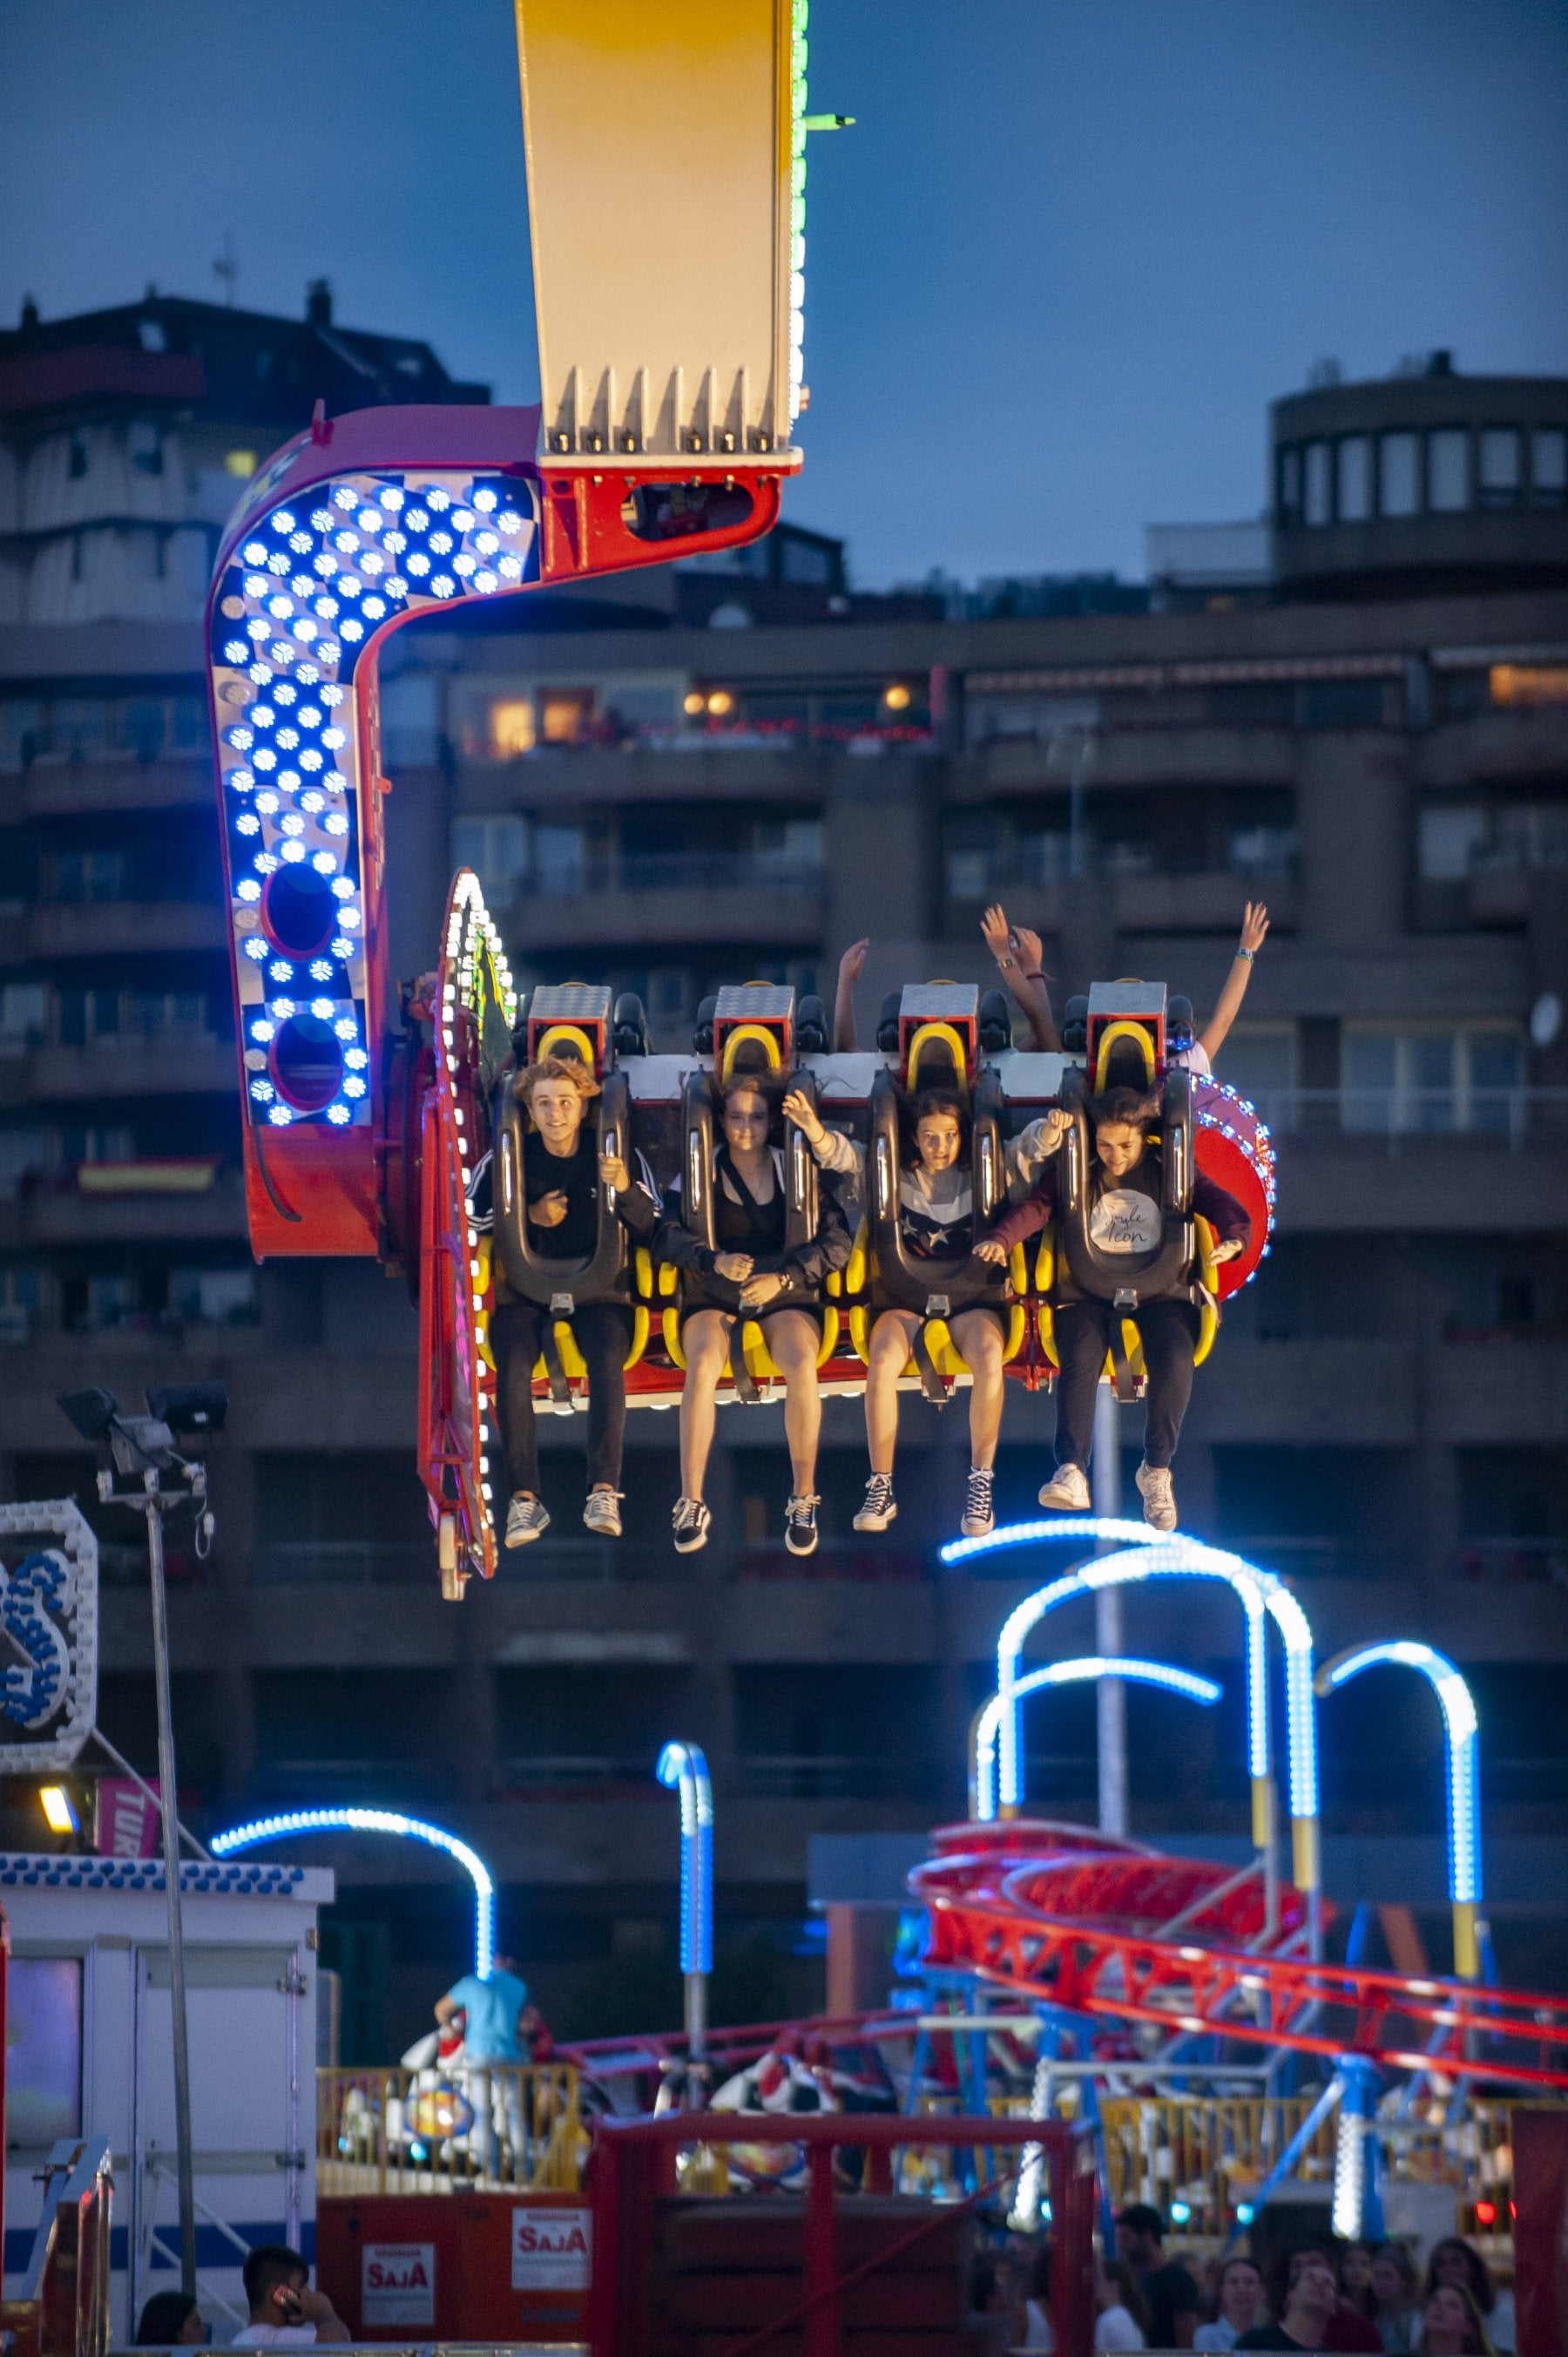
{"x": 1254, "y": 930}
{"x": 1018, "y": 953}
{"x": 851, "y": 965}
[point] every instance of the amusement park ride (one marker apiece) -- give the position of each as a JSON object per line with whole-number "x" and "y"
{"x": 669, "y": 393}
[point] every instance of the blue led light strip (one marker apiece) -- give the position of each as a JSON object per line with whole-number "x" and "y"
{"x": 1260, "y": 1594}
{"x": 1087, "y": 1667}
{"x": 1461, "y": 1732}
{"x": 682, "y": 1767}
{"x": 382, "y": 1821}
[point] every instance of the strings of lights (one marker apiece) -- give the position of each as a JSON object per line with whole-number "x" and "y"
{"x": 473, "y": 962}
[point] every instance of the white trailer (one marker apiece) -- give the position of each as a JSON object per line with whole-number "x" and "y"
{"x": 91, "y": 2054}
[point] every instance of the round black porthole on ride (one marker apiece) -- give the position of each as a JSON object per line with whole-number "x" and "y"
{"x": 300, "y": 911}
{"x": 307, "y": 1063}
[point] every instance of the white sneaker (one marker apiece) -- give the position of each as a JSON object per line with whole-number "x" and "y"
{"x": 1159, "y": 1499}
{"x": 879, "y": 1508}
{"x": 602, "y": 1513}
{"x": 693, "y": 1522}
{"x": 979, "y": 1508}
{"x": 525, "y": 1519}
{"x": 1066, "y": 1492}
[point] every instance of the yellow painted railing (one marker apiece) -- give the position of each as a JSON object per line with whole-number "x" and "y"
{"x": 398, "y": 2131}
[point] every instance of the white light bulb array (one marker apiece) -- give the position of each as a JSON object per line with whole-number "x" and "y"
{"x": 472, "y": 943}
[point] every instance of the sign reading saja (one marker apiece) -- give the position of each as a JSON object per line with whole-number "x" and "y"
{"x": 550, "y": 2249}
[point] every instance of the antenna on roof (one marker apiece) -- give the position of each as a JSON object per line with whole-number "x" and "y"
{"x": 226, "y": 269}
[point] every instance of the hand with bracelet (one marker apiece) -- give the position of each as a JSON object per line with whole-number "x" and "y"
{"x": 1018, "y": 955}
{"x": 1254, "y": 932}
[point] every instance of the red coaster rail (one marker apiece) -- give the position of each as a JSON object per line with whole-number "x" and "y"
{"x": 1053, "y": 1913}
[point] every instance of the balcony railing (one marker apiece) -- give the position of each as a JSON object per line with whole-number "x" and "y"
{"x": 673, "y": 871}
{"x": 1513, "y": 1115}
{"x": 1508, "y": 1560}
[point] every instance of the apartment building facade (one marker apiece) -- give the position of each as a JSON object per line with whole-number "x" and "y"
{"x": 722, "y": 777}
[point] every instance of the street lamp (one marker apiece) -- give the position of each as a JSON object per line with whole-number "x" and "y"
{"x": 141, "y": 1448}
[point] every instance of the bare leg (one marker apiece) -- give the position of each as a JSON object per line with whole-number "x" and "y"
{"x": 892, "y": 1340}
{"x": 978, "y": 1340}
{"x": 706, "y": 1340}
{"x": 792, "y": 1339}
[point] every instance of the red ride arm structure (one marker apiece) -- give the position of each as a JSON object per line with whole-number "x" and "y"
{"x": 348, "y": 532}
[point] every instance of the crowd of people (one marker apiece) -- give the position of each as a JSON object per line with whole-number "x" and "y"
{"x": 754, "y": 1269}
{"x": 1318, "y": 2297}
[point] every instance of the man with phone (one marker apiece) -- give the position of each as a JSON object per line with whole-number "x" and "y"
{"x": 285, "y": 2311}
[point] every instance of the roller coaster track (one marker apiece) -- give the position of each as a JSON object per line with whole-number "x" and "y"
{"x": 1063, "y": 1915}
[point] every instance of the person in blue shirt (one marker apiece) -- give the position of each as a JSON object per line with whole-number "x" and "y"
{"x": 492, "y": 2012}
{"x": 495, "y": 2021}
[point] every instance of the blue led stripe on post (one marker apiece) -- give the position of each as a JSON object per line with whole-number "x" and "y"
{"x": 1461, "y": 1738}
{"x": 1260, "y": 1594}
{"x": 382, "y": 1821}
{"x": 682, "y": 1767}
{"x": 1066, "y": 1674}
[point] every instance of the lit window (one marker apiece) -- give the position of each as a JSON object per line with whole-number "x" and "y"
{"x": 242, "y": 463}
{"x": 1447, "y": 470}
{"x": 1354, "y": 470}
{"x": 1399, "y": 475}
{"x": 1317, "y": 506}
{"x": 511, "y": 727}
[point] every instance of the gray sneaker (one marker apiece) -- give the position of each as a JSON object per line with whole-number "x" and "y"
{"x": 878, "y": 1509}
{"x": 1159, "y": 1499}
{"x": 1068, "y": 1491}
{"x": 601, "y": 1514}
{"x": 525, "y": 1519}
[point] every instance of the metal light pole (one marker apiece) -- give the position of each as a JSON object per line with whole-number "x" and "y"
{"x": 1109, "y": 1695}
{"x": 142, "y": 1446}
{"x": 153, "y": 1510}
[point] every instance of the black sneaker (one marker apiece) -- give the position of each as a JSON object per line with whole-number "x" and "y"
{"x": 691, "y": 1524}
{"x": 879, "y": 1508}
{"x": 979, "y": 1510}
{"x": 801, "y": 1525}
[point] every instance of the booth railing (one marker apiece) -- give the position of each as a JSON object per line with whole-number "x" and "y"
{"x": 459, "y": 2131}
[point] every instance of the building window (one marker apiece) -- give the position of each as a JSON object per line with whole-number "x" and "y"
{"x": 1547, "y": 466}
{"x": 214, "y": 1296}
{"x": 1447, "y": 470}
{"x": 1464, "y": 1078}
{"x": 1399, "y": 475}
{"x": 1289, "y": 485}
{"x": 144, "y": 444}
{"x": 1355, "y": 470}
{"x": 1342, "y": 703}
{"x": 1499, "y": 467}
{"x": 511, "y": 727}
{"x": 1317, "y": 503}
{"x": 77, "y": 463}
{"x": 24, "y": 1147}
{"x": 21, "y": 1298}
{"x": 1449, "y": 842}
{"x": 1260, "y": 1062}
{"x": 497, "y": 851}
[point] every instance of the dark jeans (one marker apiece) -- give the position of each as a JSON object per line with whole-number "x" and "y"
{"x": 602, "y": 1331}
{"x": 1169, "y": 1333}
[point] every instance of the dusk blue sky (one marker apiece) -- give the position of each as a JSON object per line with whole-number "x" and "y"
{"x": 1054, "y": 274}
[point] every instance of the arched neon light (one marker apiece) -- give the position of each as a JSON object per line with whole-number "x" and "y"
{"x": 1260, "y": 1594}
{"x": 382, "y": 1821}
{"x": 1069, "y": 1673}
{"x": 1461, "y": 1738}
{"x": 682, "y": 1767}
